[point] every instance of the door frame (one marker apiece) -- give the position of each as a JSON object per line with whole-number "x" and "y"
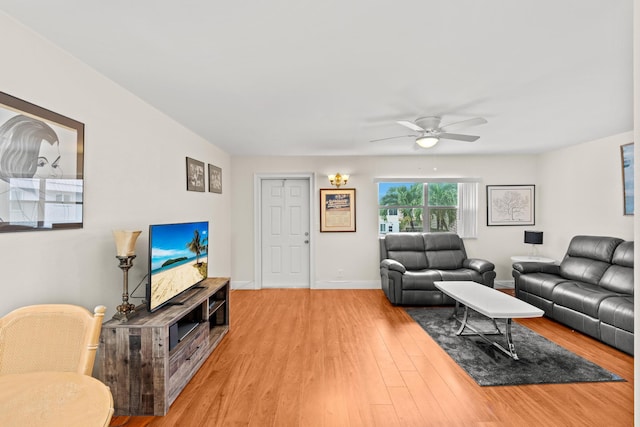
{"x": 257, "y": 225}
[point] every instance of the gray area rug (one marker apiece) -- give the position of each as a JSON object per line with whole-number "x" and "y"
{"x": 541, "y": 361}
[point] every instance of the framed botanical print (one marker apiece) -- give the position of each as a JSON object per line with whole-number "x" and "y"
{"x": 511, "y": 204}
{"x": 41, "y": 168}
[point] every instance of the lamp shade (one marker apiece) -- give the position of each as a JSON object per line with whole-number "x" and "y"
{"x": 427, "y": 141}
{"x": 533, "y": 237}
{"x": 125, "y": 242}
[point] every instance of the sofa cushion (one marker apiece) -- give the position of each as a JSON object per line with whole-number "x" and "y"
{"x": 619, "y": 276}
{"x": 618, "y": 312}
{"x": 540, "y": 284}
{"x": 444, "y": 250}
{"x": 588, "y": 257}
{"x": 580, "y": 296}
{"x": 407, "y": 249}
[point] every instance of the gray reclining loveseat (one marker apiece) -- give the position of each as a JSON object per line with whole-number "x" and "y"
{"x": 590, "y": 291}
{"x": 411, "y": 262}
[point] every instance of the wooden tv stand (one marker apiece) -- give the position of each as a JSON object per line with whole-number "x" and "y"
{"x": 148, "y": 360}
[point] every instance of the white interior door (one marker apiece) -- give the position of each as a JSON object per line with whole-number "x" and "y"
{"x": 285, "y": 233}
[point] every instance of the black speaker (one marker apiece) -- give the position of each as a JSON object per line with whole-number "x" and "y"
{"x": 173, "y": 335}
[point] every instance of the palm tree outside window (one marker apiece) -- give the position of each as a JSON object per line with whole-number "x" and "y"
{"x": 428, "y": 206}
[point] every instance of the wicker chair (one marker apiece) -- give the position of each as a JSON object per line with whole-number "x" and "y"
{"x": 50, "y": 337}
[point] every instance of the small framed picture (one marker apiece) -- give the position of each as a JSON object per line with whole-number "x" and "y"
{"x": 195, "y": 175}
{"x": 626, "y": 151}
{"x": 337, "y": 209}
{"x": 215, "y": 179}
{"x": 511, "y": 205}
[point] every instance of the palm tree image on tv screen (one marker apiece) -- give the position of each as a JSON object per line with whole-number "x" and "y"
{"x": 178, "y": 259}
{"x": 402, "y": 206}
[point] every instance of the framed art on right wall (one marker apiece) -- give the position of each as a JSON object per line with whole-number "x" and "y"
{"x": 511, "y": 205}
{"x": 626, "y": 153}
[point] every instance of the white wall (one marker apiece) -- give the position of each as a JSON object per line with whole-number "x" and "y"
{"x": 131, "y": 183}
{"x": 356, "y": 254}
{"x": 566, "y": 180}
{"x": 580, "y": 192}
{"x": 134, "y": 176}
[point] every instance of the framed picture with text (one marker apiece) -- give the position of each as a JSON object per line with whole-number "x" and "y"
{"x": 195, "y": 175}
{"x": 511, "y": 205}
{"x": 337, "y": 209}
{"x": 215, "y": 179}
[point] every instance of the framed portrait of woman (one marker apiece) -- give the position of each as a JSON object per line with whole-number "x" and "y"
{"x": 41, "y": 168}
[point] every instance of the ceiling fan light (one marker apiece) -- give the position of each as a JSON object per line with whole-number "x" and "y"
{"x": 427, "y": 141}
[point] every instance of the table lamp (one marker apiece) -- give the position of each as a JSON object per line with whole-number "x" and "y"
{"x": 125, "y": 253}
{"x": 533, "y": 238}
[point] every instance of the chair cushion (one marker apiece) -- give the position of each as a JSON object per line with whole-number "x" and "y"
{"x": 407, "y": 249}
{"x": 580, "y": 296}
{"x": 618, "y": 312}
{"x": 420, "y": 280}
{"x": 444, "y": 250}
{"x": 461, "y": 274}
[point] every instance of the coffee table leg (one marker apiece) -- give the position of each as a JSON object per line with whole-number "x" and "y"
{"x": 463, "y": 322}
{"x": 454, "y": 315}
{"x": 510, "y": 346}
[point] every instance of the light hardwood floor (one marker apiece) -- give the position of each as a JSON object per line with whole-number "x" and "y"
{"x": 305, "y": 357}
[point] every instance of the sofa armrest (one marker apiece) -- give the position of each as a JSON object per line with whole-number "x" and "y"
{"x": 391, "y": 264}
{"x": 536, "y": 267}
{"x": 479, "y": 265}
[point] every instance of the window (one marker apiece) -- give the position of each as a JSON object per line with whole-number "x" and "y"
{"x": 428, "y": 206}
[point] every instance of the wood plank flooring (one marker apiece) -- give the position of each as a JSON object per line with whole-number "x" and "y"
{"x": 303, "y": 357}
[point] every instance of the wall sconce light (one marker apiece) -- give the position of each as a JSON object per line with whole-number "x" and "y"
{"x": 125, "y": 253}
{"x": 338, "y": 179}
{"x": 533, "y": 238}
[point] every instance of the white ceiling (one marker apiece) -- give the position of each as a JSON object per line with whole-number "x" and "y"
{"x": 295, "y": 77}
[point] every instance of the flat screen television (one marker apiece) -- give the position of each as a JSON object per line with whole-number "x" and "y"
{"x": 178, "y": 260}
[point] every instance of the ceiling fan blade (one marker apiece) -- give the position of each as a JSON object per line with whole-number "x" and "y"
{"x": 393, "y": 137}
{"x": 410, "y": 125}
{"x": 458, "y": 137}
{"x": 463, "y": 124}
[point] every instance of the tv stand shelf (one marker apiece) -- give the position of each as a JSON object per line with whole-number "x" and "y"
{"x": 147, "y": 361}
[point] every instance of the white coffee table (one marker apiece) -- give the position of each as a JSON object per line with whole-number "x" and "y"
{"x": 490, "y": 303}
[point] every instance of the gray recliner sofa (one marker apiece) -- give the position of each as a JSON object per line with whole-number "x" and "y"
{"x": 591, "y": 290}
{"x": 410, "y": 263}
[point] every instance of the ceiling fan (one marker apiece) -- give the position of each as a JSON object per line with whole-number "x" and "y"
{"x": 429, "y": 131}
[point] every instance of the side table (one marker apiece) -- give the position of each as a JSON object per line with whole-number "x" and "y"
{"x": 526, "y": 258}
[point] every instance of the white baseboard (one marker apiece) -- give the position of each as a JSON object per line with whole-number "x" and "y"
{"x": 321, "y": 284}
{"x": 246, "y": 285}
{"x": 503, "y": 284}
{"x": 347, "y": 284}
